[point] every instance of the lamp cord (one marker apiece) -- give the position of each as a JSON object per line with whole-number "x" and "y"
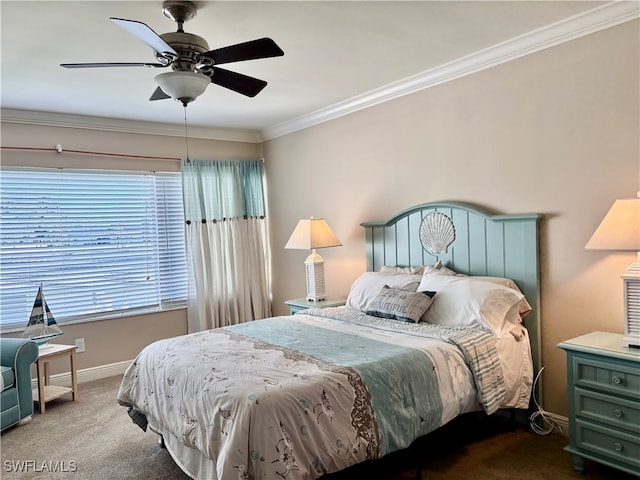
{"x": 548, "y": 423}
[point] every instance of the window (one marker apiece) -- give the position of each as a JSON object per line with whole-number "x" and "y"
{"x": 101, "y": 243}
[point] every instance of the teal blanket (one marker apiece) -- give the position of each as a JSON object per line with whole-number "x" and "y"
{"x": 402, "y": 381}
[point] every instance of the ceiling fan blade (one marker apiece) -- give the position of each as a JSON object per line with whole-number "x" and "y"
{"x": 251, "y": 50}
{"x": 111, "y": 64}
{"x": 237, "y": 82}
{"x": 158, "y": 94}
{"x": 144, "y": 33}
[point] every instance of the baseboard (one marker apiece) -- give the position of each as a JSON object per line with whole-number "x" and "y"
{"x": 87, "y": 374}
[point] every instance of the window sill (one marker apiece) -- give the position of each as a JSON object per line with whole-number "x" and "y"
{"x": 108, "y": 316}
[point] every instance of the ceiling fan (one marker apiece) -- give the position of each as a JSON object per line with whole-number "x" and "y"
{"x": 193, "y": 65}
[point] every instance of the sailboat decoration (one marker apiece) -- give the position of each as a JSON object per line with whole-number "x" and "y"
{"x": 42, "y": 326}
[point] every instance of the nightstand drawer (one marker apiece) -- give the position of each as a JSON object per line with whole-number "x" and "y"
{"x": 612, "y": 411}
{"x": 607, "y": 443}
{"x": 606, "y": 376}
{"x": 293, "y": 309}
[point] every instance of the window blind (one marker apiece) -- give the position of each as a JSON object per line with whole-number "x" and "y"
{"x": 100, "y": 243}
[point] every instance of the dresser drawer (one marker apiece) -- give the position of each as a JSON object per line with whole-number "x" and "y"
{"x": 614, "y": 412}
{"x": 608, "y": 444}
{"x": 607, "y": 376}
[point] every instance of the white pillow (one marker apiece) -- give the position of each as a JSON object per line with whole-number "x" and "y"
{"x": 525, "y": 308}
{"x": 438, "y": 268}
{"x": 367, "y": 286}
{"x": 396, "y": 269}
{"x": 469, "y": 302}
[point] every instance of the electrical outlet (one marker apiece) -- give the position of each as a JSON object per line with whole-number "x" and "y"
{"x": 79, "y": 345}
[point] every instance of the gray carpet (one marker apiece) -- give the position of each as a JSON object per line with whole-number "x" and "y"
{"x": 95, "y": 433}
{"x": 94, "y": 439}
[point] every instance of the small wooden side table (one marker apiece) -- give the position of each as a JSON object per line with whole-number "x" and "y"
{"x": 46, "y": 392}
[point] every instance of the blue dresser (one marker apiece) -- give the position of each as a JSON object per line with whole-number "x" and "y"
{"x": 604, "y": 401}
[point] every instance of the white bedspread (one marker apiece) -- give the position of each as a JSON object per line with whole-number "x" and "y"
{"x": 297, "y": 397}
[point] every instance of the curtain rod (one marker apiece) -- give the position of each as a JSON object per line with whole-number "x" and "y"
{"x": 58, "y": 149}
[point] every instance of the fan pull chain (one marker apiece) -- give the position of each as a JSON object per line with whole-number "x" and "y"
{"x": 186, "y": 132}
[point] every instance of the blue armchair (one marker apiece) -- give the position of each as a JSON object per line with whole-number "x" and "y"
{"x": 16, "y": 399}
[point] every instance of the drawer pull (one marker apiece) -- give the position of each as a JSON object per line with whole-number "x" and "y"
{"x": 617, "y": 380}
{"x": 617, "y": 413}
{"x": 617, "y": 447}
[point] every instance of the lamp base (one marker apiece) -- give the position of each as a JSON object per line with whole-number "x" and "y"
{"x": 631, "y": 281}
{"x": 314, "y": 265}
{"x": 631, "y": 341}
{"x": 312, "y": 298}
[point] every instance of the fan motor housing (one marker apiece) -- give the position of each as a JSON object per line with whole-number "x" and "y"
{"x": 189, "y": 48}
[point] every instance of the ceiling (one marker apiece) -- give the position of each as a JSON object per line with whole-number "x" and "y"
{"x": 339, "y": 56}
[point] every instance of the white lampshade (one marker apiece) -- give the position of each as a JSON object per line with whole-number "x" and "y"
{"x": 620, "y": 231}
{"x": 309, "y": 234}
{"x": 312, "y": 233}
{"x": 620, "y": 228}
{"x": 183, "y": 86}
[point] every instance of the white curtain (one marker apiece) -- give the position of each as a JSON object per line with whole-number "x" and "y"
{"x": 226, "y": 242}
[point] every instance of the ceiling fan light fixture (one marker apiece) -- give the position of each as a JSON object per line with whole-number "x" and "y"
{"x": 183, "y": 86}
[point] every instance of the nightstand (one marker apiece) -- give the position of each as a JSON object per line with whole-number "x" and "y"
{"x": 604, "y": 401}
{"x": 298, "y": 304}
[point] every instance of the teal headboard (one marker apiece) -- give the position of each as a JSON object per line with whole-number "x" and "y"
{"x": 485, "y": 244}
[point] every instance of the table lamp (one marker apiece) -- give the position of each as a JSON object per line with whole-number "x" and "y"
{"x": 620, "y": 231}
{"x": 310, "y": 234}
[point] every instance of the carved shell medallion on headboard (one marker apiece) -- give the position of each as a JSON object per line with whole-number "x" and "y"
{"x": 437, "y": 232}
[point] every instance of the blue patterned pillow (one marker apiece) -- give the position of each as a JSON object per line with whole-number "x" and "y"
{"x": 400, "y": 304}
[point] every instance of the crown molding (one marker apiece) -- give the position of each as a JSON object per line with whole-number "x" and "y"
{"x": 594, "y": 20}
{"x": 52, "y": 119}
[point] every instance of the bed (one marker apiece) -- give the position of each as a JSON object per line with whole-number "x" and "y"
{"x": 429, "y": 332}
